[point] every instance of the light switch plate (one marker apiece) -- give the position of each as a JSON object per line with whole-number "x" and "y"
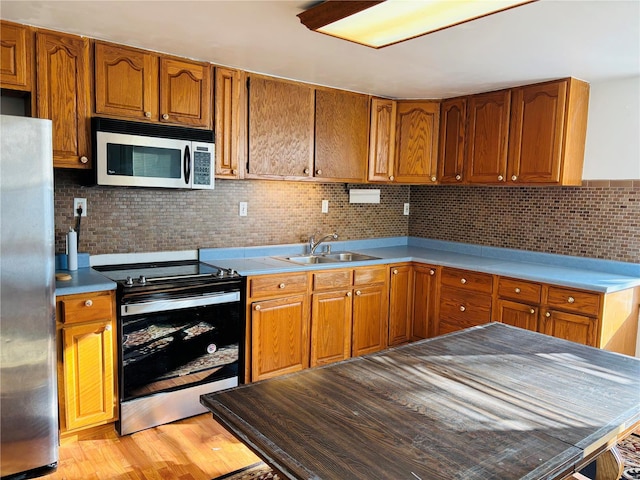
{"x": 325, "y": 206}
{"x": 243, "y": 209}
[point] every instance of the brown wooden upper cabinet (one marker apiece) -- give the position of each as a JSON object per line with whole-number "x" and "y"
{"x": 141, "y": 85}
{"x": 16, "y": 57}
{"x": 548, "y": 132}
{"x": 229, "y": 114}
{"x": 382, "y": 139}
{"x": 487, "y": 137}
{"x": 63, "y": 86}
{"x": 453, "y": 118}
{"x": 341, "y": 135}
{"x": 416, "y": 156}
{"x": 280, "y": 129}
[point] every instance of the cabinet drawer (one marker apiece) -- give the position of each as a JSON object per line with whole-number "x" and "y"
{"x": 468, "y": 307}
{"x": 520, "y": 290}
{"x": 368, "y": 275}
{"x": 86, "y": 308}
{"x": 270, "y": 285}
{"x": 328, "y": 279}
{"x": 586, "y": 303}
{"x": 479, "y": 282}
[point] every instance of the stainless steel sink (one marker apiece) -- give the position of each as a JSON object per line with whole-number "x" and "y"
{"x": 337, "y": 257}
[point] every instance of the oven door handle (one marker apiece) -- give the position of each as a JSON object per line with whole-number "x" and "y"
{"x": 178, "y": 303}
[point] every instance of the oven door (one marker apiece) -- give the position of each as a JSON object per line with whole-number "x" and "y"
{"x": 140, "y": 161}
{"x": 176, "y": 343}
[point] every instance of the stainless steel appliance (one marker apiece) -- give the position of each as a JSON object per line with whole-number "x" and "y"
{"x": 28, "y": 388}
{"x": 180, "y": 335}
{"x": 132, "y": 154}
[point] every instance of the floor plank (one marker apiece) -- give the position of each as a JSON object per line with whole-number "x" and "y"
{"x": 196, "y": 448}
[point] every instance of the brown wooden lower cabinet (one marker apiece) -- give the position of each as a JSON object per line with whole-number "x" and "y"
{"x": 370, "y": 310}
{"x": 86, "y": 360}
{"x": 425, "y": 300}
{"x": 517, "y": 314}
{"x": 570, "y": 326}
{"x": 401, "y": 293}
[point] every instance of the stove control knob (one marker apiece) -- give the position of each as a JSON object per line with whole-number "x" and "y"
{"x": 232, "y": 272}
{"x": 221, "y": 273}
{"x": 129, "y": 281}
{"x": 142, "y": 280}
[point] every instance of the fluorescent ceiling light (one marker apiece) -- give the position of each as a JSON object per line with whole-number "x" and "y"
{"x": 381, "y": 23}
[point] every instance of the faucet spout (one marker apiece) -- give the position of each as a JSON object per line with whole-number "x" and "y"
{"x": 313, "y": 244}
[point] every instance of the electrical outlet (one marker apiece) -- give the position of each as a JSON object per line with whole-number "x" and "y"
{"x": 79, "y": 202}
{"x": 406, "y": 209}
{"x": 325, "y": 206}
{"x": 243, "y": 209}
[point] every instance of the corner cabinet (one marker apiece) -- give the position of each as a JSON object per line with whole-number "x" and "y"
{"x": 141, "y": 85}
{"x": 86, "y": 360}
{"x": 63, "y": 95}
{"x": 416, "y": 156}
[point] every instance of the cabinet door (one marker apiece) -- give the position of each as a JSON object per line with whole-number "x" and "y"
{"x": 63, "y": 96}
{"x": 89, "y": 386}
{"x": 382, "y": 140}
{"x": 570, "y": 326}
{"x": 185, "y": 93}
{"x": 518, "y": 315}
{"x": 330, "y": 327}
{"x": 424, "y": 301}
{"x": 370, "y": 319}
{"x": 280, "y": 136}
{"x": 16, "y": 57}
{"x": 453, "y": 116}
{"x": 536, "y": 133}
{"x": 126, "y": 82}
{"x": 227, "y": 99}
{"x": 279, "y": 336}
{"x": 400, "y": 304}
{"x": 342, "y": 133}
{"x": 417, "y": 127}
{"x": 487, "y": 137}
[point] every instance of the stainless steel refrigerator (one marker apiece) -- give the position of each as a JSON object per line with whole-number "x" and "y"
{"x": 28, "y": 387}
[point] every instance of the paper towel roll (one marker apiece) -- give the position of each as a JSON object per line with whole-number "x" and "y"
{"x": 72, "y": 250}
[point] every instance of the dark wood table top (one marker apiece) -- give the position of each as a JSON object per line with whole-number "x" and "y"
{"x": 490, "y": 402}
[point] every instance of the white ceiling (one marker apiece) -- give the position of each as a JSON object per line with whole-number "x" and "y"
{"x": 593, "y": 40}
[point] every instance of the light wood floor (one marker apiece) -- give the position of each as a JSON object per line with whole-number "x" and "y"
{"x": 196, "y": 448}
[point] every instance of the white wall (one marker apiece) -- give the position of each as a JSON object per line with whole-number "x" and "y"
{"x": 613, "y": 131}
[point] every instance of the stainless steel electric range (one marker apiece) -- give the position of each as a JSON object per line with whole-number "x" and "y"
{"x": 180, "y": 335}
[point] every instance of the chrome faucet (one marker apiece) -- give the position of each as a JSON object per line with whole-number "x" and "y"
{"x": 313, "y": 244}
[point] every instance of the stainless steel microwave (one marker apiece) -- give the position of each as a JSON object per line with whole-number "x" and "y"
{"x": 132, "y": 154}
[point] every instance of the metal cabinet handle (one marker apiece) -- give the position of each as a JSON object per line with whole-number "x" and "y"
{"x": 458, "y": 177}
{"x": 107, "y": 328}
{"x": 432, "y": 272}
{"x": 306, "y": 171}
{"x": 514, "y": 177}
{"x": 348, "y": 294}
{"x": 258, "y": 307}
{"x": 462, "y": 308}
{"x": 548, "y": 314}
{"x": 500, "y": 178}
{"x": 165, "y": 116}
{"x": 318, "y": 172}
{"x": 395, "y": 271}
{"x": 234, "y": 172}
{"x": 463, "y": 281}
{"x": 571, "y": 300}
{"x": 147, "y": 114}
{"x": 88, "y": 303}
{"x": 517, "y": 290}
{"x": 392, "y": 178}
{"x": 433, "y": 179}
{"x": 282, "y": 285}
{"x": 532, "y": 311}
{"x": 358, "y": 292}
{"x": 84, "y": 159}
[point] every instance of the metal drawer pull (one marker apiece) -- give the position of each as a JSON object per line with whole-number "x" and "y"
{"x": 88, "y": 303}
{"x": 282, "y": 285}
{"x": 517, "y": 290}
{"x": 463, "y": 280}
{"x": 462, "y": 308}
{"x": 571, "y": 299}
{"x": 432, "y": 272}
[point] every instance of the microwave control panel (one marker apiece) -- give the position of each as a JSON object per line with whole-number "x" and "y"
{"x": 203, "y": 166}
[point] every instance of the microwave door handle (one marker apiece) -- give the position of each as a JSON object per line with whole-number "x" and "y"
{"x": 187, "y": 164}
